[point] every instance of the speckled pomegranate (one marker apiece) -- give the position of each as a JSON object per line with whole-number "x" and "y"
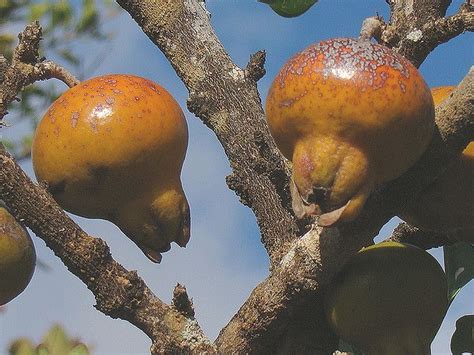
{"x": 351, "y": 115}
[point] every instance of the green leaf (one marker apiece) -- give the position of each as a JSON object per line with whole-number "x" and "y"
{"x": 38, "y": 10}
{"x": 80, "y": 349}
{"x": 459, "y": 266}
{"x": 290, "y": 8}
{"x": 56, "y": 341}
{"x": 463, "y": 338}
{"x": 22, "y": 346}
{"x": 89, "y": 17}
{"x": 61, "y": 14}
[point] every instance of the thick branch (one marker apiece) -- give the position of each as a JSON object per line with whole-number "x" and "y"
{"x": 419, "y": 43}
{"x": 315, "y": 259}
{"x": 225, "y": 97}
{"x": 119, "y": 293}
{"x": 227, "y": 101}
{"x": 418, "y": 27}
{"x": 280, "y": 300}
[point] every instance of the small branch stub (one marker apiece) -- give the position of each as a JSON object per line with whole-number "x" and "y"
{"x": 255, "y": 68}
{"x": 371, "y": 28}
{"x": 182, "y": 302}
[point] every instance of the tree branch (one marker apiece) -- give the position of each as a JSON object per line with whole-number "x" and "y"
{"x": 119, "y": 293}
{"x": 225, "y": 97}
{"x": 418, "y": 27}
{"x": 404, "y": 233}
{"x": 372, "y": 27}
{"x": 181, "y": 301}
{"x": 315, "y": 258}
{"x": 228, "y": 103}
{"x": 27, "y": 67}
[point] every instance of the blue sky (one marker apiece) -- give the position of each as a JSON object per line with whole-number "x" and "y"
{"x": 224, "y": 260}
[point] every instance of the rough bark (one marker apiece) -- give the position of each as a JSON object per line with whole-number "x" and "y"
{"x": 225, "y": 97}
{"x": 279, "y": 299}
{"x": 418, "y": 26}
{"x": 404, "y": 233}
{"x": 119, "y": 293}
{"x": 27, "y": 67}
{"x": 284, "y": 312}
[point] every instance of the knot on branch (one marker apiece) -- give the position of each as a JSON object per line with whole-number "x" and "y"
{"x": 182, "y": 302}
{"x": 119, "y": 298}
{"x": 28, "y": 49}
{"x": 256, "y": 66}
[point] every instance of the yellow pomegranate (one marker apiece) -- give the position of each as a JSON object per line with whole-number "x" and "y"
{"x": 389, "y": 299}
{"x": 351, "y": 115}
{"x": 448, "y": 203}
{"x": 113, "y": 147}
{"x": 17, "y": 257}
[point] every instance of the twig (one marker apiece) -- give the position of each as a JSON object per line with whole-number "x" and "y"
{"x": 404, "y": 233}
{"x": 417, "y": 30}
{"x": 256, "y": 66}
{"x": 27, "y": 67}
{"x": 181, "y": 301}
{"x": 49, "y": 70}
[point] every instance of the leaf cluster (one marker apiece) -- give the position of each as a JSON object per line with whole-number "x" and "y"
{"x": 55, "y": 342}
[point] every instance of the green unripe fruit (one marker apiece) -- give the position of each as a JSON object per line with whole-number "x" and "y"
{"x": 389, "y": 299}
{"x": 290, "y": 8}
{"x": 17, "y": 257}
